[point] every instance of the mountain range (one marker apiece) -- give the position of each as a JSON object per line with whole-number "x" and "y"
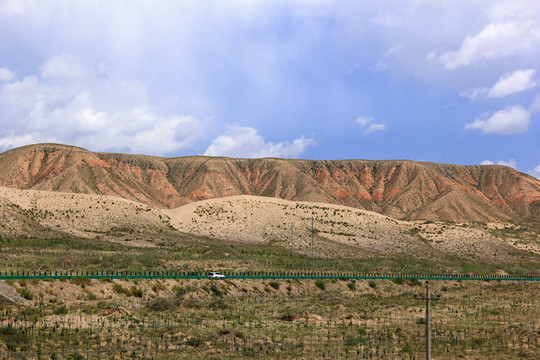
{"x": 400, "y": 189}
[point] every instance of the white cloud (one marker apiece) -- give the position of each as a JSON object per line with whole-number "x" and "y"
{"x": 536, "y": 172}
{"x": 511, "y": 162}
{"x": 65, "y": 67}
{"x": 519, "y": 80}
{"x": 474, "y": 93}
{"x": 74, "y": 103}
{"x": 510, "y": 83}
{"x": 246, "y": 142}
{"x": 14, "y": 141}
{"x": 367, "y": 123}
{"x": 375, "y": 127}
{"x": 496, "y": 40}
{"x": 364, "y": 120}
{"x": 6, "y": 75}
{"x": 392, "y": 51}
{"x": 513, "y": 120}
{"x": 535, "y": 106}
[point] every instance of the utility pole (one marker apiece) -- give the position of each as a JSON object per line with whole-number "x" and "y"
{"x": 428, "y": 298}
{"x": 312, "y": 253}
{"x": 292, "y": 247}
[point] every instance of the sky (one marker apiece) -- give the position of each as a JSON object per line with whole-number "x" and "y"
{"x": 440, "y": 81}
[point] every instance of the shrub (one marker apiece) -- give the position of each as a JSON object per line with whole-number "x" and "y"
{"x": 161, "y": 304}
{"x": 352, "y": 285}
{"x": 159, "y": 286}
{"x": 137, "y": 292}
{"x": 118, "y": 288}
{"x": 274, "y": 284}
{"x": 75, "y": 356}
{"x": 180, "y": 291}
{"x": 25, "y": 293}
{"x": 192, "y": 303}
{"x": 215, "y": 290}
{"x": 353, "y": 340}
{"x": 372, "y": 284}
{"x": 81, "y": 281}
{"x": 218, "y": 304}
{"x": 291, "y": 314}
{"x": 398, "y": 280}
{"x": 195, "y": 341}
{"x": 320, "y": 284}
{"x": 60, "y": 310}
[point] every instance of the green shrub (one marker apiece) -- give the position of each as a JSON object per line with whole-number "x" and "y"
{"x": 274, "y": 284}
{"x": 25, "y": 293}
{"x": 137, "y": 292}
{"x": 60, "y": 310}
{"x": 290, "y": 314}
{"x": 81, "y": 281}
{"x": 218, "y": 303}
{"x": 159, "y": 286}
{"x": 75, "y": 356}
{"x": 352, "y": 285}
{"x": 195, "y": 341}
{"x": 398, "y": 280}
{"x": 320, "y": 284}
{"x": 215, "y": 290}
{"x": 161, "y": 304}
{"x": 372, "y": 284}
{"x": 192, "y": 303}
{"x": 118, "y": 288}
{"x": 180, "y": 291}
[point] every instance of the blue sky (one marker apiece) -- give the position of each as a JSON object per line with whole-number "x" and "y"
{"x": 441, "y": 81}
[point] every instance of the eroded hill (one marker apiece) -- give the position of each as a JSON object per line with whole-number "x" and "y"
{"x": 400, "y": 189}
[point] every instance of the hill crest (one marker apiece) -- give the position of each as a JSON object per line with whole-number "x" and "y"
{"x": 401, "y": 189}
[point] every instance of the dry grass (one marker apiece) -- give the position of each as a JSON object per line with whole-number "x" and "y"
{"x": 222, "y": 319}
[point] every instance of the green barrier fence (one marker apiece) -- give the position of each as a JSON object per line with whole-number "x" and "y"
{"x": 175, "y": 274}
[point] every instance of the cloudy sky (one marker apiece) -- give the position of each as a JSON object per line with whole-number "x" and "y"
{"x": 441, "y": 81}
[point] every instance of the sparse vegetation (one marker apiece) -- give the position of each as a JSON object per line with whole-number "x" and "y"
{"x": 474, "y": 319}
{"x": 265, "y": 318}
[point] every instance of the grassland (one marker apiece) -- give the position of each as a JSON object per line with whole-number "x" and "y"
{"x": 211, "y": 319}
{"x": 275, "y": 319}
{"x": 197, "y": 253}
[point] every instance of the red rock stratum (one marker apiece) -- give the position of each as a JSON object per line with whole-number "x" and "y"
{"x": 400, "y": 189}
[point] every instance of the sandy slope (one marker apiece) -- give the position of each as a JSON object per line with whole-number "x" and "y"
{"x": 90, "y": 216}
{"x": 338, "y": 230}
{"x": 359, "y": 232}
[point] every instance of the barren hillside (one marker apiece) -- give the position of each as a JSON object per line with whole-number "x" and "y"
{"x": 397, "y": 188}
{"x": 339, "y": 231}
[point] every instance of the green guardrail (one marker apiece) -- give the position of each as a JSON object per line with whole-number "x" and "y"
{"x": 174, "y": 274}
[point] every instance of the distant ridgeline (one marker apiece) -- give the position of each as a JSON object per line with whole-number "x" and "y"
{"x": 397, "y": 188}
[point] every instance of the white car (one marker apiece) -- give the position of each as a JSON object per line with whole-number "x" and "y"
{"x": 215, "y": 274}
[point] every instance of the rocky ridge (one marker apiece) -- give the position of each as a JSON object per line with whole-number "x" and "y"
{"x": 400, "y": 189}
